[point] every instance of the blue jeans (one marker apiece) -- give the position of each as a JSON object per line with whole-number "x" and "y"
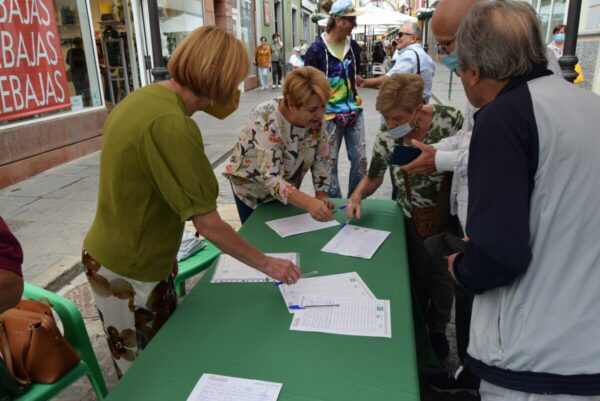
{"x": 263, "y": 75}
{"x": 354, "y": 136}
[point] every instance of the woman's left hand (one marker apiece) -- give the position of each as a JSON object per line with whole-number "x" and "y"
{"x": 322, "y": 196}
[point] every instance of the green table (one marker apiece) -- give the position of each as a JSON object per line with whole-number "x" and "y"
{"x": 243, "y": 330}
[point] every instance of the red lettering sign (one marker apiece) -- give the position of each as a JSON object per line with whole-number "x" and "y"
{"x": 32, "y": 70}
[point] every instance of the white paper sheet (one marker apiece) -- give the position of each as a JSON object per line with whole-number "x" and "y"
{"x": 359, "y": 242}
{"x": 225, "y": 388}
{"x": 354, "y": 317}
{"x": 299, "y": 224}
{"x": 231, "y": 270}
{"x": 345, "y": 285}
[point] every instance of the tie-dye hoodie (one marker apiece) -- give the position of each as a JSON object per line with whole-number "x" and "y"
{"x": 341, "y": 74}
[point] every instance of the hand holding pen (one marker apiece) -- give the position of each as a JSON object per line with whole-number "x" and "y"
{"x": 309, "y": 274}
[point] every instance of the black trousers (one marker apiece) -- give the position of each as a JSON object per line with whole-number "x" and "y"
{"x": 277, "y": 72}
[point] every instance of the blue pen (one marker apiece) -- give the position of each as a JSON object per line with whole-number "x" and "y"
{"x": 312, "y": 273}
{"x": 346, "y": 223}
{"x": 298, "y": 307}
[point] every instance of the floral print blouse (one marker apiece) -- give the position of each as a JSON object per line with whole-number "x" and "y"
{"x": 272, "y": 156}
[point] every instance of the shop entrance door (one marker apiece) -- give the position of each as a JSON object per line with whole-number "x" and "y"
{"x": 114, "y": 33}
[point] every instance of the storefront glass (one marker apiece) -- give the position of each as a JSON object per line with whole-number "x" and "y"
{"x": 248, "y": 36}
{"x": 47, "y": 60}
{"x": 177, "y": 19}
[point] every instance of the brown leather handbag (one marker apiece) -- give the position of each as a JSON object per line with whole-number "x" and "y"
{"x": 32, "y": 346}
{"x": 431, "y": 220}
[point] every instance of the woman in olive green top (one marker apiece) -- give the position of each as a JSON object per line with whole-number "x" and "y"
{"x": 154, "y": 176}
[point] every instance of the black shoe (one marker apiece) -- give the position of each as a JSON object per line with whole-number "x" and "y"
{"x": 463, "y": 382}
{"x": 440, "y": 345}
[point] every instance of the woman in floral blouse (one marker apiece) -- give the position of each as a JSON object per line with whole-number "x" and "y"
{"x": 406, "y": 118}
{"x": 283, "y": 139}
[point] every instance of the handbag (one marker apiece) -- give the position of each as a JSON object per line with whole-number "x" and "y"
{"x": 32, "y": 346}
{"x": 431, "y": 220}
{"x": 10, "y": 389}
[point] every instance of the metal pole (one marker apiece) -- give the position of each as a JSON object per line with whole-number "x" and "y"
{"x": 426, "y": 30}
{"x": 159, "y": 72}
{"x": 569, "y": 59}
{"x": 450, "y": 86}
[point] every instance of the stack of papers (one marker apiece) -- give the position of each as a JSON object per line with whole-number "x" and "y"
{"x": 299, "y": 224}
{"x": 231, "y": 270}
{"x": 345, "y": 285}
{"x": 359, "y": 242}
{"x": 224, "y": 388}
{"x": 355, "y": 317}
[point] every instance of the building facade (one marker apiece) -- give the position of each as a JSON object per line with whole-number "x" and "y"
{"x": 65, "y": 63}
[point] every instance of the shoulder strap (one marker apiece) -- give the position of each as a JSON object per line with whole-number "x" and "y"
{"x": 407, "y": 186}
{"x": 418, "y": 61}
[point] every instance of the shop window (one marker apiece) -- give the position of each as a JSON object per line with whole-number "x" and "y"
{"x": 47, "y": 60}
{"x": 247, "y": 27}
{"x": 177, "y": 19}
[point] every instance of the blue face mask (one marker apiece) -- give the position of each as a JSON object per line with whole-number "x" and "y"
{"x": 559, "y": 37}
{"x": 401, "y": 130}
{"x": 451, "y": 61}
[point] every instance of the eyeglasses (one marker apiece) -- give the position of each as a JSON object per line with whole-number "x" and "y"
{"x": 443, "y": 47}
{"x": 400, "y": 34}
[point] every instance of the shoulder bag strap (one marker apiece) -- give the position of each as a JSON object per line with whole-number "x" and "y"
{"x": 407, "y": 187}
{"x": 418, "y": 61}
{"x": 5, "y": 349}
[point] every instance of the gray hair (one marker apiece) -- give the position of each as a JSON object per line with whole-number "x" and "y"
{"x": 502, "y": 38}
{"x": 415, "y": 29}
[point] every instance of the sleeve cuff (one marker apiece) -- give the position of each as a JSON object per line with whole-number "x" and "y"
{"x": 445, "y": 160}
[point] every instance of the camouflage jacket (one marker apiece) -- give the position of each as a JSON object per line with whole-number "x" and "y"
{"x": 446, "y": 122}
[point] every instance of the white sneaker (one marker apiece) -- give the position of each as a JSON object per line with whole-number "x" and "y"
{"x": 273, "y": 86}
{"x": 279, "y": 86}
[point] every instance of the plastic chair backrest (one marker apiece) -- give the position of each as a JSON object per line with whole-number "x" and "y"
{"x": 75, "y": 333}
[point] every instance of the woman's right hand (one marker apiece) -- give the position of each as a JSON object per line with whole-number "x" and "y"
{"x": 319, "y": 211}
{"x": 281, "y": 270}
{"x": 353, "y": 208}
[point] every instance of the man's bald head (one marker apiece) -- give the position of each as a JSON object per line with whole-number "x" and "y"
{"x": 447, "y": 18}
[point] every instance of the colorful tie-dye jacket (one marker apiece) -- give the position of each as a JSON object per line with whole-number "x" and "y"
{"x": 341, "y": 75}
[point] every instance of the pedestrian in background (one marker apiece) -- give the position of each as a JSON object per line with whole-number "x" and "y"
{"x": 277, "y": 59}
{"x": 154, "y": 176}
{"x": 262, "y": 59}
{"x": 284, "y": 139}
{"x": 338, "y": 56}
{"x": 303, "y": 49}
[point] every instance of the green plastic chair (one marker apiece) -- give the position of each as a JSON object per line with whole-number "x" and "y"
{"x": 77, "y": 336}
{"x": 194, "y": 265}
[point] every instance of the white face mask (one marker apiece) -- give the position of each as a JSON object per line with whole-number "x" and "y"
{"x": 402, "y": 130}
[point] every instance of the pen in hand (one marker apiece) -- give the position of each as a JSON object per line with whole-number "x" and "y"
{"x": 309, "y": 274}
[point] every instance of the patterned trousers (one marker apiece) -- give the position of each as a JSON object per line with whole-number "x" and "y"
{"x": 131, "y": 311}
{"x": 354, "y": 136}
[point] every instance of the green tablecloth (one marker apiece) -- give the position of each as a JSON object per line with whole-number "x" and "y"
{"x": 243, "y": 330}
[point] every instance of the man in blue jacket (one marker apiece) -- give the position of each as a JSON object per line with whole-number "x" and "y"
{"x": 338, "y": 57}
{"x": 532, "y": 257}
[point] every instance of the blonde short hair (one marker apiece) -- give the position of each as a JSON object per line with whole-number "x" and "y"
{"x": 302, "y": 83}
{"x": 400, "y": 90}
{"x": 210, "y": 62}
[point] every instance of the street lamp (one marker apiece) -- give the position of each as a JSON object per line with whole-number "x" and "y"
{"x": 159, "y": 72}
{"x": 569, "y": 59}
